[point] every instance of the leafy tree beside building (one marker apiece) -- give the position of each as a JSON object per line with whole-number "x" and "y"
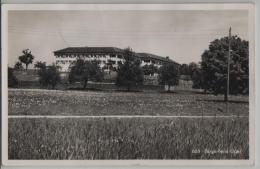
{"x": 150, "y": 69}
{"x": 184, "y": 69}
{"x": 197, "y": 79}
{"x": 214, "y": 66}
{"x": 169, "y": 75}
{"x": 130, "y": 73}
{"x": 83, "y": 71}
{"x": 49, "y": 75}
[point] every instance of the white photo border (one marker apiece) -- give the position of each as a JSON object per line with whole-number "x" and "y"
{"x": 206, "y": 6}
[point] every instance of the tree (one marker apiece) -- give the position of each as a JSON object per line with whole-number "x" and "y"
{"x": 195, "y": 73}
{"x": 184, "y": 69}
{"x": 188, "y": 69}
{"x": 49, "y": 75}
{"x": 149, "y": 69}
{"x": 192, "y": 68}
{"x": 18, "y": 66}
{"x": 214, "y": 66}
{"x": 110, "y": 66}
{"x": 26, "y": 58}
{"x": 169, "y": 75}
{"x": 130, "y": 72}
{"x": 83, "y": 71}
{"x": 12, "y": 80}
{"x": 40, "y": 65}
{"x": 197, "y": 79}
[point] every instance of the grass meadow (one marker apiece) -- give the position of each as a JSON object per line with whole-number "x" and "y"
{"x": 54, "y": 102}
{"x": 126, "y": 138}
{"x": 133, "y": 138}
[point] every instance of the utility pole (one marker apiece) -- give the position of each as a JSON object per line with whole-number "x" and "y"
{"x": 228, "y": 64}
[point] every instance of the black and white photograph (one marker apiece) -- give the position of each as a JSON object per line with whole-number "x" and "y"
{"x": 128, "y": 83}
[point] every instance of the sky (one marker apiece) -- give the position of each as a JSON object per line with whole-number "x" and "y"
{"x": 181, "y": 35}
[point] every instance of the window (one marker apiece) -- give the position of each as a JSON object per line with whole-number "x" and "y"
{"x": 113, "y": 56}
{"x": 120, "y": 56}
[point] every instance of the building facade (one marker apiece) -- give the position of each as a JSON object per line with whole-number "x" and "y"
{"x": 105, "y": 55}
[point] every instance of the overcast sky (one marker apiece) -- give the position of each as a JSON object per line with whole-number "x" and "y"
{"x": 181, "y": 35}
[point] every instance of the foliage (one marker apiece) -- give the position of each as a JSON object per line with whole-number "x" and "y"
{"x": 12, "y": 80}
{"x": 40, "y": 65}
{"x": 110, "y": 65}
{"x": 188, "y": 69}
{"x": 18, "y": 66}
{"x": 130, "y": 72}
{"x": 184, "y": 69}
{"x": 197, "y": 79}
{"x": 214, "y": 66}
{"x": 193, "y": 67}
{"x": 26, "y": 58}
{"x": 195, "y": 74}
{"x": 169, "y": 75}
{"x": 49, "y": 75}
{"x": 83, "y": 71}
{"x": 192, "y": 72}
{"x": 150, "y": 69}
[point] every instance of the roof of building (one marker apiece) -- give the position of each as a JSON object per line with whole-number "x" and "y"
{"x": 149, "y": 55}
{"x": 110, "y": 50}
{"x": 90, "y": 50}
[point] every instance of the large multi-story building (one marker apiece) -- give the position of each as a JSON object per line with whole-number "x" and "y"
{"x": 152, "y": 59}
{"x": 105, "y": 55}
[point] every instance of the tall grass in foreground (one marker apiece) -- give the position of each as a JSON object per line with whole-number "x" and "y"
{"x": 133, "y": 138}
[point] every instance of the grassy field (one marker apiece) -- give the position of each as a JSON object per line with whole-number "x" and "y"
{"x": 132, "y": 138}
{"x": 44, "y": 102}
{"x": 126, "y": 138}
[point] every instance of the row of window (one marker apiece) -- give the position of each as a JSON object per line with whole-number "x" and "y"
{"x": 64, "y": 61}
{"x": 71, "y": 61}
{"x": 102, "y": 62}
{"x": 153, "y": 62}
{"x": 89, "y": 56}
